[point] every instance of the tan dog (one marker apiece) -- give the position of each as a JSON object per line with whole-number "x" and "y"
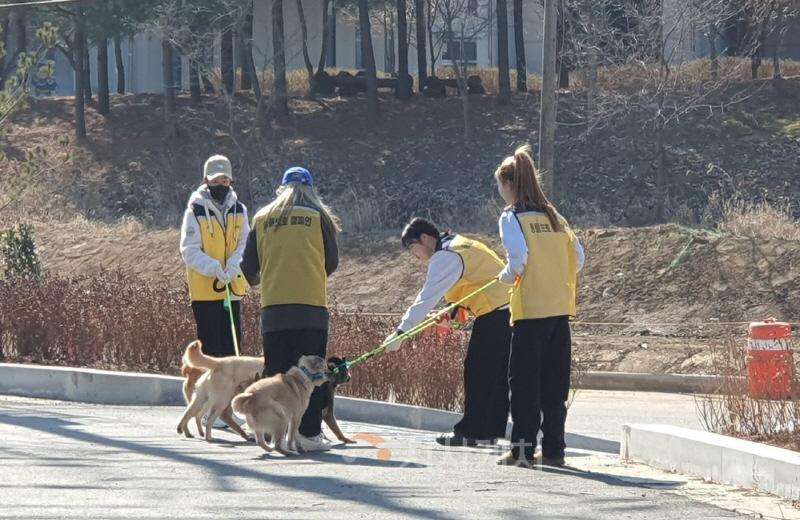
{"x": 275, "y": 405}
{"x": 214, "y": 389}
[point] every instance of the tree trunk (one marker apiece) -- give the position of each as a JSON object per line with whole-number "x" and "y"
{"x": 561, "y": 34}
{"x": 280, "y": 102}
{"x": 779, "y": 32}
{"x": 87, "y": 87}
{"x": 120, "y": 65}
{"x": 389, "y": 61}
{"x": 429, "y": 23}
{"x": 326, "y": 34}
{"x": 5, "y": 22}
{"x": 249, "y": 66}
{"x": 304, "y": 34}
{"x": 713, "y": 55}
{"x": 79, "y": 53}
{"x": 21, "y": 29}
{"x": 519, "y": 47}
{"x": 547, "y": 123}
{"x": 226, "y": 58}
{"x": 504, "y": 80}
{"x": 373, "y": 113}
{"x": 194, "y": 83}
{"x": 405, "y": 83}
{"x": 167, "y": 74}
{"x": 422, "y": 66}
{"x": 104, "y": 105}
{"x": 462, "y": 88}
{"x": 661, "y": 171}
{"x": 563, "y": 75}
{"x": 246, "y": 48}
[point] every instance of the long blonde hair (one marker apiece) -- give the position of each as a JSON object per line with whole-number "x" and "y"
{"x": 520, "y": 170}
{"x": 299, "y": 194}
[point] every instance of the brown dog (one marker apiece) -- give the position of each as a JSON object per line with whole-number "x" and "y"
{"x": 275, "y": 405}
{"x": 211, "y": 392}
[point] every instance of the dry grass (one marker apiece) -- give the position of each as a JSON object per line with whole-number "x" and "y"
{"x": 642, "y": 75}
{"x": 734, "y": 412}
{"x": 760, "y": 220}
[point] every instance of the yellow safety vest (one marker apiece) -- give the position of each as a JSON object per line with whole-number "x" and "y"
{"x": 547, "y": 286}
{"x": 481, "y": 265}
{"x": 292, "y": 258}
{"x": 219, "y": 244}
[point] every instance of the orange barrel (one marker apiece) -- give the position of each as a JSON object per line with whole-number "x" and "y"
{"x": 770, "y": 364}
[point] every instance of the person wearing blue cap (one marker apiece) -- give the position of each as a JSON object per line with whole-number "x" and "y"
{"x": 290, "y": 252}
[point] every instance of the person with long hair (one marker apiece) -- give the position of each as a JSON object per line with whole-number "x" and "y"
{"x": 291, "y": 250}
{"x": 543, "y": 257}
{"x": 457, "y": 266}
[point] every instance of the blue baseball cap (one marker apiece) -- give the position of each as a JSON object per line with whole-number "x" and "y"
{"x": 297, "y": 174}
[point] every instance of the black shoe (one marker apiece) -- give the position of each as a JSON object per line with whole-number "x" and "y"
{"x": 455, "y": 439}
{"x": 555, "y": 462}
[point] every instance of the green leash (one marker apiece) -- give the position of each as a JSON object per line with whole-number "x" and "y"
{"x": 414, "y": 331}
{"x": 226, "y": 304}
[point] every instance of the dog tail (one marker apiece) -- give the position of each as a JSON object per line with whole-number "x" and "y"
{"x": 194, "y": 357}
{"x": 240, "y": 403}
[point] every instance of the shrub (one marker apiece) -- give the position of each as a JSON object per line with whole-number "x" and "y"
{"x": 18, "y": 252}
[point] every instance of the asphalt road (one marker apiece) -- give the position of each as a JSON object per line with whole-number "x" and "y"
{"x": 73, "y": 460}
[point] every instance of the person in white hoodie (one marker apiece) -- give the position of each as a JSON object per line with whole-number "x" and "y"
{"x": 213, "y": 237}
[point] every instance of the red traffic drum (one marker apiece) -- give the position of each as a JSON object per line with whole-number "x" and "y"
{"x": 770, "y": 364}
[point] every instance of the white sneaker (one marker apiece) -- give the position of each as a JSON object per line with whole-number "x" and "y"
{"x": 316, "y": 443}
{"x": 219, "y": 424}
{"x": 239, "y": 420}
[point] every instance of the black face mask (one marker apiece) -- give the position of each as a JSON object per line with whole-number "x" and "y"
{"x": 218, "y": 193}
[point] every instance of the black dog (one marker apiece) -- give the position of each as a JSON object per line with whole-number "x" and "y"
{"x": 329, "y": 391}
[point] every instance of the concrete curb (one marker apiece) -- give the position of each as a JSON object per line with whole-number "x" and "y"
{"x": 89, "y": 385}
{"x": 637, "y": 382}
{"x": 715, "y": 457}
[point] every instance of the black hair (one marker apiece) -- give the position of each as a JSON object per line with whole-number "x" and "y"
{"x": 416, "y": 228}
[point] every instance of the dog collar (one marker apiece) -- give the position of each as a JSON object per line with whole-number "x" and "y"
{"x": 312, "y": 376}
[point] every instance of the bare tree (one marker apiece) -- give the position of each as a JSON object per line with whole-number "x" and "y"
{"x": 280, "y": 96}
{"x": 660, "y": 89}
{"x": 405, "y": 83}
{"x": 519, "y": 47}
{"x": 422, "y": 67}
{"x": 462, "y": 22}
{"x": 79, "y": 38}
{"x": 436, "y": 37}
{"x": 304, "y": 33}
{"x": 167, "y": 71}
{"x": 120, "y": 64}
{"x": 327, "y": 32}
{"x": 504, "y": 80}
{"x": 368, "y": 56}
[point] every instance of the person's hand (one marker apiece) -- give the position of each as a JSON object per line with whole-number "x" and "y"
{"x": 392, "y": 342}
{"x": 232, "y": 271}
{"x": 221, "y": 275}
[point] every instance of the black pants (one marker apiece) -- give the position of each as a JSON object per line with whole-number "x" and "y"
{"x": 486, "y": 378}
{"x": 214, "y": 327}
{"x": 539, "y": 372}
{"x": 282, "y": 350}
